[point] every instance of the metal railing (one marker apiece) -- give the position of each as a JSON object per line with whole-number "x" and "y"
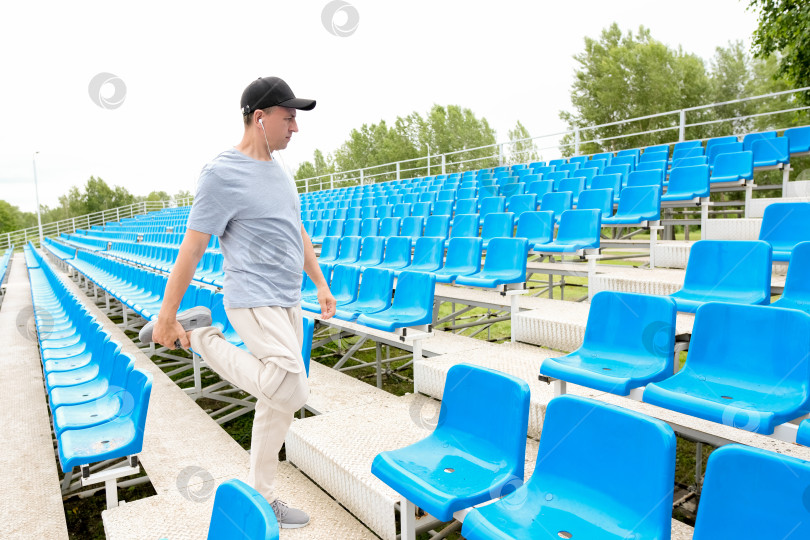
{"x": 70, "y": 225}
{"x": 499, "y": 154}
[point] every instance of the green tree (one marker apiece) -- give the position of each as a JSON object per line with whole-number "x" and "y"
{"x": 13, "y": 219}
{"x": 521, "y": 150}
{"x": 783, "y": 29}
{"x": 622, "y": 76}
{"x": 157, "y": 196}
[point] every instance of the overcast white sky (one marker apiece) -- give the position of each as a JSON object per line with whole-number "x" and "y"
{"x": 185, "y": 65}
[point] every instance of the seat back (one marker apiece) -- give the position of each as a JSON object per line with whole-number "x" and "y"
{"x": 486, "y": 405}
{"x": 397, "y": 250}
{"x": 428, "y": 252}
{"x": 421, "y": 209}
{"x": 370, "y": 227}
{"x": 718, "y": 265}
{"x": 688, "y": 182}
{"x": 540, "y": 188}
{"x": 599, "y": 199}
{"x": 737, "y": 164}
{"x": 390, "y": 226}
{"x": 575, "y": 185}
{"x": 507, "y": 254}
{"x": 241, "y": 512}
{"x": 612, "y": 181}
{"x": 465, "y": 225}
{"x": 570, "y": 167}
{"x": 543, "y": 170}
{"x": 335, "y": 227}
{"x": 785, "y": 224}
{"x": 349, "y": 248}
{"x": 412, "y": 227}
{"x": 633, "y": 324}
{"x": 522, "y": 203}
{"x": 401, "y": 210}
{"x": 567, "y": 477}
{"x": 490, "y": 205}
{"x": 345, "y": 280}
{"x": 306, "y": 347}
{"x": 796, "y": 293}
{"x": 437, "y": 226}
{"x": 763, "y": 358}
{"x": 463, "y": 252}
{"x": 466, "y": 206}
{"x": 587, "y": 174}
{"x": 630, "y": 161}
{"x": 799, "y": 138}
{"x": 749, "y": 140}
{"x": 643, "y": 202}
{"x": 329, "y": 248}
{"x": 557, "y": 202}
{"x": 513, "y": 189}
{"x": 351, "y": 227}
{"x": 384, "y": 211}
{"x": 646, "y": 178}
{"x": 753, "y": 493}
{"x": 371, "y": 252}
{"x": 443, "y": 208}
{"x": 498, "y": 225}
{"x": 537, "y": 227}
{"x": 579, "y": 227}
{"x": 689, "y": 161}
{"x": 770, "y": 152}
{"x": 414, "y": 292}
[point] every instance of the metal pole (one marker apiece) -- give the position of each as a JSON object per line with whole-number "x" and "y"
{"x": 444, "y": 164}
{"x": 361, "y": 177}
{"x": 682, "y": 129}
{"x": 398, "y": 178}
{"x": 331, "y": 181}
{"x": 36, "y": 192}
{"x": 500, "y": 154}
{"x": 576, "y": 141}
{"x": 428, "y": 159}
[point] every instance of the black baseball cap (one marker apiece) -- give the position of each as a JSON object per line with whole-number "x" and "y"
{"x": 270, "y": 91}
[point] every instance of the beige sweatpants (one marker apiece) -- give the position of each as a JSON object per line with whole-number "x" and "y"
{"x": 273, "y": 372}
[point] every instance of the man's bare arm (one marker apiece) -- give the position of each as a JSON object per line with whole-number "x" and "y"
{"x": 313, "y": 270}
{"x": 168, "y": 330}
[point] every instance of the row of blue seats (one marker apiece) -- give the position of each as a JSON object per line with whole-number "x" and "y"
{"x": 369, "y": 302}
{"x": 794, "y": 141}
{"x": 754, "y": 380}
{"x": 476, "y": 454}
{"x": 98, "y": 401}
{"x": 5, "y": 262}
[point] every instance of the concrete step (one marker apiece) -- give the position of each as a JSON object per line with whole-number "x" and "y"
{"x": 661, "y": 281}
{"x": 732, "y": 229}
{"x": 31, "y": 498}
{"x": 560, "y": 325}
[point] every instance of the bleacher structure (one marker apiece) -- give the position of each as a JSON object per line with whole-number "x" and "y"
{"x": 566, "y": 430}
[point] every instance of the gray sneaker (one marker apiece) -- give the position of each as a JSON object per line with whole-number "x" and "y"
{"x": 289, "y": 518}
{"x": 196, "y": 317}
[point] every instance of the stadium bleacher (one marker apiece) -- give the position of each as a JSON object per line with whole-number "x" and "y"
{"x": 383, "y": 247}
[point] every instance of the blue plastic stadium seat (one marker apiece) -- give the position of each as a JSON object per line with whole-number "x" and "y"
{"x": 401, "y": 210}
{"x": 505, "y": 263}
{"x": 344, "y": 284}
{"x": 464, "y": 226}
{"x": 614, "y": 181}
{"x": 753, "y": 380}
{"x": 437, "y": 227}
{"x": 587, "y": 174}
{"x": 599, "y": 199}
{"x": 555, "y": 177}
{"x": 630, "y": 161}
{"x": 370, "y": 227}
{"x": 374, "y": 295}
{"x": 753, "y": 493}
{"x": 646, "y": 178}
{"x": 349, "y": 250}
{"x": 512, "y": 189}
{"x": 476, "y": 452}
{"x": 783, "y": 226}
{"x": 522, "y": 203}
{"x": 412, "y": 305}
{"x": 320, "y": 232}
{"x": 384, "y": 211}
{"x": 733, "y": 168}
{"x": 466, "y": 206}
{"x": 629, "y": 343}
{"x": 771, "y": 152}
{"x": 497, "y": 225}
{"x": 241, "y": 512}
{"x": 726, "y": 271}
{"x": 371, "y": 252}
{"x": 412, "y": 227}
{"x": 572, "y": 494}
{"x": 631, "y": 152}
{"x": 329, "y": 249}
{"x": 719, "y": 149}
{"x": 687, "y": 184}
{"x": 540, "y": 188}
{"x": 573, "y": 185}
{"x": 637, "y": 206}
{"x": 799, "y": 138}
{"x": 397, "y": 253}
{"x": 751, "y": 138}
{"x": 443, "y": 208}
{"x": 335, "y": 227}
{"x": 579, "y": 231}
{"x": 557, "y": 202}
{"x": 492, "y": 205}
{"x": 536, "y": 227}
{"x": 306, "y": 347}
{"x": 428, "y": 256}
{"x": 463, "y": 258}
{"x": 119, "y": 437}
{"x": 390, "y": 226}
{"x": 796, "y": 294}
{"x": 622, "y": 169}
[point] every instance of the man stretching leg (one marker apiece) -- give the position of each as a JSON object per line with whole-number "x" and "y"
{"x": 245, "y": 197}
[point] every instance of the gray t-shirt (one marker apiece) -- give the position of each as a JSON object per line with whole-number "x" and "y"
{"x": 253, "y": 207}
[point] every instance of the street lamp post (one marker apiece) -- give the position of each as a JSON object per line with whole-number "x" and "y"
{"x": 36, "y": 192}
